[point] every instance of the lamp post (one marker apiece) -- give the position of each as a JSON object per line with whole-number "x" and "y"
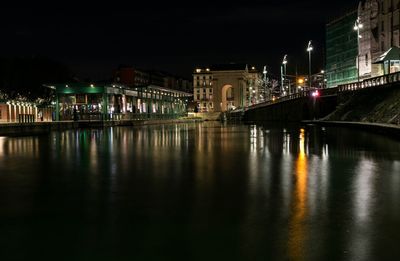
{"x": 265, "y": 84}
{"x": 309, "y": 50}
{"x": 284, "y": 62}
{"x": 357, "y": 26}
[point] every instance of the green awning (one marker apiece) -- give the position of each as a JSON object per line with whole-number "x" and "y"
{"x": 393, "y": 54}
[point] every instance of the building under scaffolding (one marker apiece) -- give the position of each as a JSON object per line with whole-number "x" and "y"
{"x": 341, "y": 50}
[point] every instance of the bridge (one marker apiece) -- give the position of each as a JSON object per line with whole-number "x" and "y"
{"x": 306, "y": 105}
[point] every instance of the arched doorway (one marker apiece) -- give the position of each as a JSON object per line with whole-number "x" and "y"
{"x": 228, "y": 98}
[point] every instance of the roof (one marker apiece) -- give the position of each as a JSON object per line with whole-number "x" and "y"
{"x": 390, "y": 55}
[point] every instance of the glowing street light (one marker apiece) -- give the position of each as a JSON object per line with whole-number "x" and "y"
{"x": 357, "y": 26}
{"x": 283, "y": 73}
{"x": 309, "y": 50}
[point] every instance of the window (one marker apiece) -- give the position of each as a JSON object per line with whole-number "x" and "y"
{"x": 198, "y": 96}
{"x": 383, "y": 26}
{"x": 210, "y": 90}
{"x": 198, "y": 83}
{"x": 366, "y": 59}
{"x": 204, "y": 83}
{"x": 204, "y": 77}
{"x": 204, "y": 90}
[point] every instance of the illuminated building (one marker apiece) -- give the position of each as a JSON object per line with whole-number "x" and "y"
{"x": 220, "y": 88}
{"x": 341, "y": 50}
{"x": 117, "y": 102}
{"x": 376, "y": 23}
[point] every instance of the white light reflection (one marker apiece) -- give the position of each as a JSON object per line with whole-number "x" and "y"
{"x": 253, "y": 138}
{"x": 363, "y": 189}
{"x": 395, "y": 187}
{"x": 2, "y": 144}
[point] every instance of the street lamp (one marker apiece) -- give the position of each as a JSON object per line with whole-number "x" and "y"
{"x": 284, "y": 62}
{"x": 309, "y": 50}
{"x": 357, "y": 26}
{"x": 265, "y": 83}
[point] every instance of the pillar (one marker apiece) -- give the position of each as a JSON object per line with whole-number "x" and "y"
{"x": 57, "y": 112}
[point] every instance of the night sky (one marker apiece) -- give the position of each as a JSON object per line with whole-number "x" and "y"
{"x": 93, "y": 39}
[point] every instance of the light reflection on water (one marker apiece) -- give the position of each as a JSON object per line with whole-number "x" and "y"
{"x": 189, "y": 191}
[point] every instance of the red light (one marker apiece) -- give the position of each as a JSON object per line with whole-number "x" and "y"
{"x": 315, "y": 94}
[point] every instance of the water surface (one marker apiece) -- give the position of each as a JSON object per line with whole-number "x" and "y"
{"x": 203, "y": 191}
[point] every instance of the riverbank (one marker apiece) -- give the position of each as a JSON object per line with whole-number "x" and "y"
{"x": 19, "y": 129}
{"x": 381, "y": 128}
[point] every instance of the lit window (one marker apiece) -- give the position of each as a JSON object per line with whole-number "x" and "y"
{"x": 198, "y": 70}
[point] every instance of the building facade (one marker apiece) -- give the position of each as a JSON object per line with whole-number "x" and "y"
{"x": 18, "y": 111}
{"x": 220, "y": 88}
{"x": 115, "y": 102}
{"x": 341, "y": 50}
{"x": 133, "y": 77}
{"x": 380, "y": 32}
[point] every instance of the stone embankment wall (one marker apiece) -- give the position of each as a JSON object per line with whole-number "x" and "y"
{"x": 375, "y": 105}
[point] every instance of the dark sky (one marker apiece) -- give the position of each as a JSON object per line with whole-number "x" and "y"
{"x": 93, "y": 39}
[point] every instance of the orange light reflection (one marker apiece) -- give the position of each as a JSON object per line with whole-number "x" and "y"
{"x": 297, "y": 227}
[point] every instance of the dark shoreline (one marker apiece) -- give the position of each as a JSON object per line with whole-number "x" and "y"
{"x": 379, "y": 128}
{"x": 35, "y": 128}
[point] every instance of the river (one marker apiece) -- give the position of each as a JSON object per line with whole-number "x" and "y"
{"x": 203, "y": 191}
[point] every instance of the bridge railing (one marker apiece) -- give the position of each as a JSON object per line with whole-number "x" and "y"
{"x": 281, "y": 99}
{"x": 379, "y": 81}
{"x": 371, "y": 82}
